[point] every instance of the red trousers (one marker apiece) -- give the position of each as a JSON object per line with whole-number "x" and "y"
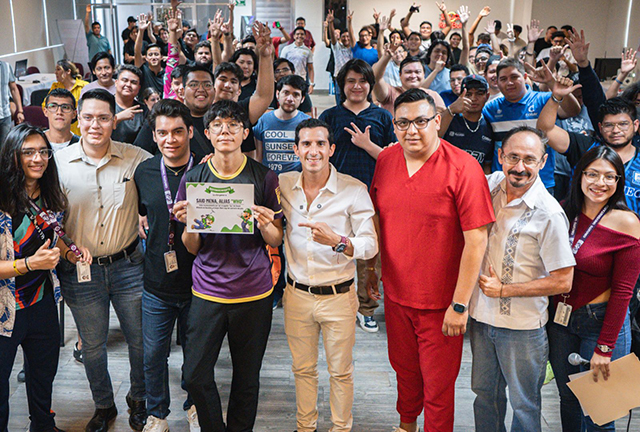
{"x": 426, "y": 364}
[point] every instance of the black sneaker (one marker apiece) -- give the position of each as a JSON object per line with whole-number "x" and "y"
{"x": 77, "y": 353}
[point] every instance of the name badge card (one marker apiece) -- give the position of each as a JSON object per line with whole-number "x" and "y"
{"x": 220, "y": 208}
{"x": 171, "y": 261}
{"x": 84, "y": 271}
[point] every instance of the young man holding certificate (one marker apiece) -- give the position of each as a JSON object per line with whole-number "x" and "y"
{"x": 232, "y": 282}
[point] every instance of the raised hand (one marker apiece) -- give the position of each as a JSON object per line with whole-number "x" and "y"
{"x": 461, "y": 104}
{"x": 485, "y": 11}
{"x": 175, "y": 4}
{"x": 440, "y": 64}
{"x": 540, "y": 75}
{"x": 490, "y": 27}
{"x": 262, "y": 34}
{"x": 359, "y": 138}
{"x": 463, "y": 14}
{"x": 391, "y": 48}
{"x": 384, "y": 23}
{"x": 534, "y": 31}
{"x": 174, "y": 20}
{"x": 510, "y": 33}
{"x": 330, "y": 16}
{"x": 563, "y": 86}
{"x": 376, "y": 15}
{"x": 556, "y": 53}
{"x": 629, "y": 61}
{"x": 442, "y": 7}
{"x": 143, "y": 22}
{"x": 392, "y": 14}
{"x": 231, "y": 5}
{"x": 579, "y": 47}
{"x": 215, "y": 25}
{"x": 349, "y": 16}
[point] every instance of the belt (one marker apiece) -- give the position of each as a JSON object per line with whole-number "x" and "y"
{"x": 322, "y": 289}
{"x": 110, "y": 259}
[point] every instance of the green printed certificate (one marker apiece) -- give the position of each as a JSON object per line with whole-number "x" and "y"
{"x": 220, "y": 208}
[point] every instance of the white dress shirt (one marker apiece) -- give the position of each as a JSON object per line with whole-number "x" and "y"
{"x": 343, "y": 204}
{"x": 103, "y": 200}
{"x": 528, "y": 240}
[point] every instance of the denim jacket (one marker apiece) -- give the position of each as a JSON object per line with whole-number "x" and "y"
{"x": 8, "y": 286}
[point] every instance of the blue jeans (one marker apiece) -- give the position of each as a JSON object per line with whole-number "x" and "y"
{"x": 516, "y": 359}
{"x": 337, "y": 93}
{"x": 580, "y": 336}
{"x": 5, "y": 127}
{"x": 120, "y": 284}
{"x": 158, "y": 318}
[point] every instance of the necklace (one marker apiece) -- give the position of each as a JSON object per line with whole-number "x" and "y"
{"x": 174, "y": 171}
{"x": 467, "y": 124}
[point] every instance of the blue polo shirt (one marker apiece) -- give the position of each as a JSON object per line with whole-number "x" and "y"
{"x": 349, "y": 158}
{"x": 97, "y": 44}
{"x": 504, "y": 116}
{"x": 370, "y": 55}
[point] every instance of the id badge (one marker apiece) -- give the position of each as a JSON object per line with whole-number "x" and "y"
{"x": 171, "y": 261}
{"x": 563, "y": 313}
{"x": 84, "y": 271}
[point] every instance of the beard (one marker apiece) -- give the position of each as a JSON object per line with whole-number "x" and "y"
{"x": 618, "y": 146}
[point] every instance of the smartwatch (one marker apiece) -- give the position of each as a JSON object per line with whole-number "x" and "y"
{"x": 342, "y": 245}
{"x": 459, "y": 307}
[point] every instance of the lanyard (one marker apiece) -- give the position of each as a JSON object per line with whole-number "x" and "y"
{"x": 586, "y": 234}
{"x": 53, "y": 223}
{"x": 170, "y": 201}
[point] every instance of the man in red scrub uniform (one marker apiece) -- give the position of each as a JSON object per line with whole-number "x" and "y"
{"x": 433, "y": 207}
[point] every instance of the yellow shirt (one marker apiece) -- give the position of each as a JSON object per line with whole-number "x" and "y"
{"x": 75, "y": 91}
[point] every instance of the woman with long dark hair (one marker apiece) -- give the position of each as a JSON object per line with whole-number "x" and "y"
{"x": 438, "y": 60}
{"x": 604, "y": 235}
{"x": 31, "y": 209}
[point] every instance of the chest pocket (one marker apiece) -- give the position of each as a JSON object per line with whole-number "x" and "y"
{"x": 120, "y": 190}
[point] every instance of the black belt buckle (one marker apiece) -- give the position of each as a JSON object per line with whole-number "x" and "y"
{"x": 104, "y": 260}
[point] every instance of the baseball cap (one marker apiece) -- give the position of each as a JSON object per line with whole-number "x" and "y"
{"x": 131, "y": 19}
{"x": 475, "y": 81}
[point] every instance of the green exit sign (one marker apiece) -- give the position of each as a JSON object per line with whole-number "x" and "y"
{"x": 241, "y": 2}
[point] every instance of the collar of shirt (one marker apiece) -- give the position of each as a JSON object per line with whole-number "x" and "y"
{"x": 530, "y": 197}
{"x": 331, "y": 185}
{"x": 79, "y": 154}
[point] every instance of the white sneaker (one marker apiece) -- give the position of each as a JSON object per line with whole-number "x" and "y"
{"x": 368, "y": 324}
{"x": 192, "y": 418}
{"x": 154, "y": 424}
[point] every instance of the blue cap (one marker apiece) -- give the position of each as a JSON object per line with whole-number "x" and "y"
{"x": 475, "y": 81}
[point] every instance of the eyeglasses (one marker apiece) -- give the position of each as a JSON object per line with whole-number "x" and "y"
{"x": 53, "y": 107}
{"x": 103, "y": 119}
{"x": 530, "y": 162}
{"x": 194, "y": 85}
{"x": 233, "y": 126}
{"x": 44, "y": 153}
{"x": 419, "y": 123}
{"x": 623, "y": 126}
{"x": 281, "y": 71}
{"x": 594, "y": 176}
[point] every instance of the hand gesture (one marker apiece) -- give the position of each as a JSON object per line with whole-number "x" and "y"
{"x": 349, "y": 16}
{"x": 264, "y": 216}
{"x": 225, "y": 27}
{"x": 231, "y": 5}
{"x": 629, "y": 61}
{"x": 175, "y": 4}
{"x": 490, "y": 285}
{"x": 490, "y": 27}
{"x": 600, "y": 364}
{"x": 262, "y": 34}
{"x": 442, "y": 7}
{"x": 322, "y": 233}
{"x": 462, "y": 104}
{"x": 510, "y": 33}
{"x": 540, "y": 75}
{"x": 463, "y": 14}
{"x": 534, "y": 31}
{"x": 454, "y": 323}
{"x": 384, "y": 23}
{"x": 556, "y": 53}
{"x": 174, "y": 20}
{"x": 215, "y": 25}
{"x": 325, "y": 24}
{"x": 45, "y": 258}
{"x": 129, "y": 113}
{"x": 485, "y": 11}
{"x": 391, "y": 48}
{"x": 579, "y": 47}
{"x": 330, "y": 16}
{"x": 440, "y": 64}
{"x": 359, "y": 138}
{"x": 143, "y": 22}
{"x": 563, "y": 86}
{"x": 20, "y": 117}
{"x": 392, "y": 14}
{"x": 376, "y": 15}
{"x": 371, "y": 283}
{"x": 88, "y": 9}
{"x": 180, "y": 211}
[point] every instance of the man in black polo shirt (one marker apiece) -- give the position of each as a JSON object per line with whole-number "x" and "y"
{"x": 129, "y": 114}
{"x": 167, "y": 291}
{"x": 151, "y": 63}
{"x": 463, "y": 124}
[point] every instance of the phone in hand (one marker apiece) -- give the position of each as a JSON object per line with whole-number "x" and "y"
{"x": 276, "y": 24}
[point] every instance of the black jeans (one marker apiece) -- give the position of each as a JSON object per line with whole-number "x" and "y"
{"x": 36, "y": 329}
{"x": 247, "y": 326}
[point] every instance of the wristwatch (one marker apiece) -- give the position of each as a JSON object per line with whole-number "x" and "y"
{"x": 459, "y": 307}
{"x": 342, "y": 245}
{"x": 604, "y": 348}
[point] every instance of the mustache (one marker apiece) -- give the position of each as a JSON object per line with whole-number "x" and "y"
{"x": 519, "y": 173}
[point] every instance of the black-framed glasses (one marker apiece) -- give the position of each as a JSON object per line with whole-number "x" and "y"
{"x": 53, "y": 107}
{"x": 45, "y": 153}
{"x": 419, "y": 123}
{"x": 193, "y": 85}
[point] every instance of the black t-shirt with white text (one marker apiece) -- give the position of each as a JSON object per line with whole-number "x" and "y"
{"x": 478, "y": 144}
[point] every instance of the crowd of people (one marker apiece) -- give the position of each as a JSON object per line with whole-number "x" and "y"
{"x": 486, "y": 183}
